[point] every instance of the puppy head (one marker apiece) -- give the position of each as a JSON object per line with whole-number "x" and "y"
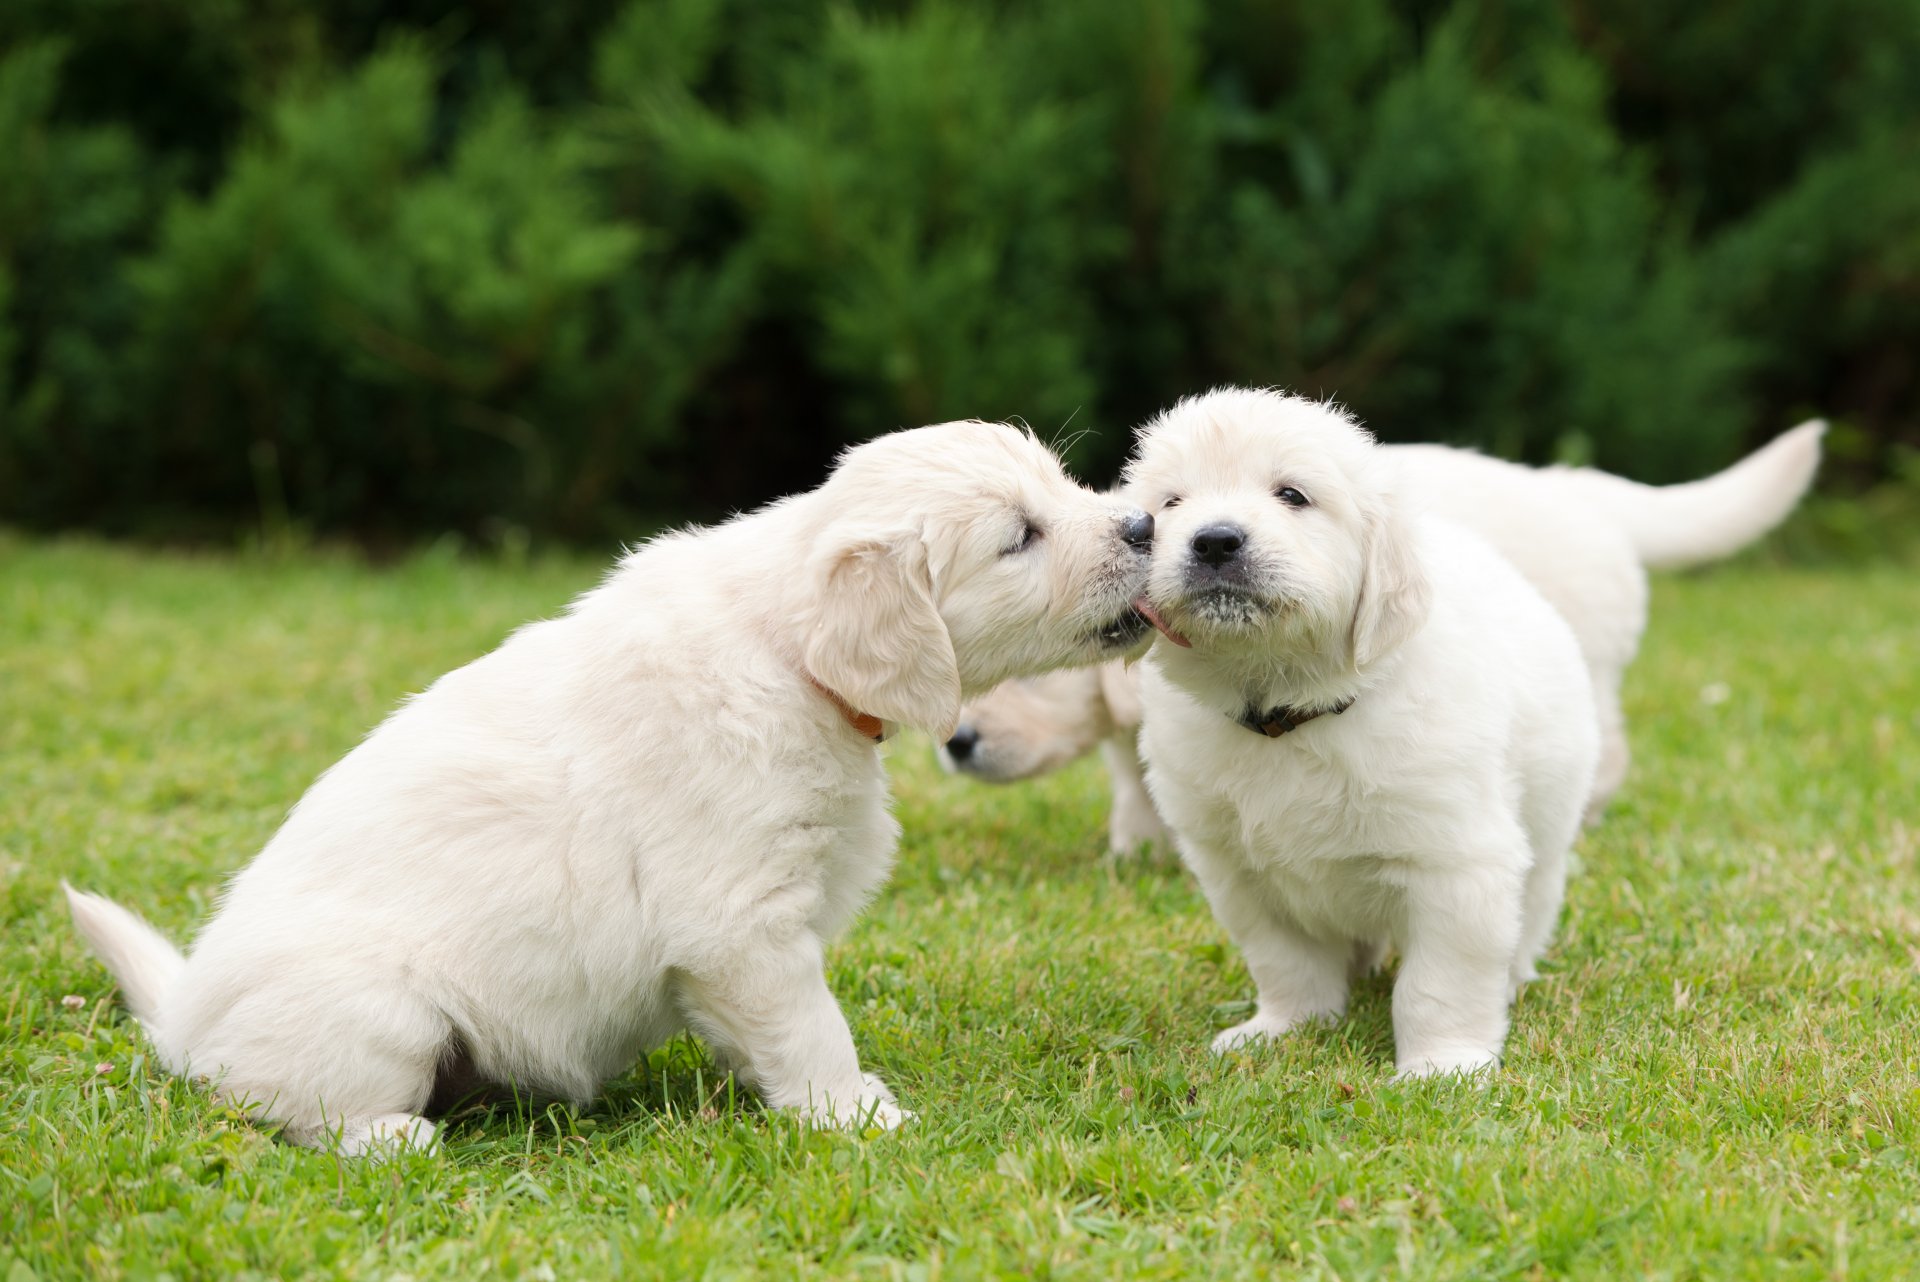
{"x": 1028, "y": 726}
{"x": 1277, "y": 530}
{"x": 951, "y": 558}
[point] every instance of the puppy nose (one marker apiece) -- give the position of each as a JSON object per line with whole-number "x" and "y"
{"x": 960, "y": 747}
{"x": 1218, "y": 544}
{"x": 1136, "y": 528}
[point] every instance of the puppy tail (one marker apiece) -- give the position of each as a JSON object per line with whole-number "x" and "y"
{"x": 143, "y": 962}
{"x": 1680, "y": 525}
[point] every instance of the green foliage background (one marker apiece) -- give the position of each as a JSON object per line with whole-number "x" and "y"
{"x": 584, "y": 267}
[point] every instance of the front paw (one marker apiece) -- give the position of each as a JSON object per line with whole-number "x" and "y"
{"x": 882, "y": 1115}
{"x": 883, "y": 1111}
{"x": 871, "y": 1108}
{"x": 1479, "y": 1065}
{"x": 1253, "y": 1033}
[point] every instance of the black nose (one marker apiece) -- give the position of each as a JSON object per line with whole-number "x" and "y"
{"x": 1136, "y": 527}
{"x": 960, "y": 747}
{"x": 1218, "y": 544}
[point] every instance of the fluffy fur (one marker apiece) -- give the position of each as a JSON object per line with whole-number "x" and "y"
{"x": 642, "y": 816}
{"x": 1433, "y": 814}
{"x": 1583, "y": 538}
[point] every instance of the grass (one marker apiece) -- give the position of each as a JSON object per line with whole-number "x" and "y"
{"x": 1716, "y": 1079}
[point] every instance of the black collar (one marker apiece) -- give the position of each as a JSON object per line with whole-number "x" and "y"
{"x": 1275, "y": 722}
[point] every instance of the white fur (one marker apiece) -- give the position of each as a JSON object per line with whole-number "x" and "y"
{"x": 1674, "y": 526}
{"x": 638, "y": 817}
{"x": 1436, "y": 812}
{"x": 1583, "y": 538}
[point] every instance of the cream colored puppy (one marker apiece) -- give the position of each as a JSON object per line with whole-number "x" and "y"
{"x": 1364, "y": 726}
{"x": 1034, "y": 725}
{"x": 646, "y": 815}
{"x": 1583, "y": 538}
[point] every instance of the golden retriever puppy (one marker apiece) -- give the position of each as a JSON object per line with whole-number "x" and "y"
{"x": 648, "y": 814}
{"x": 1032, "y": 726}
{"x": 1363, "y": 726}
{"x": 1583, "y": 538}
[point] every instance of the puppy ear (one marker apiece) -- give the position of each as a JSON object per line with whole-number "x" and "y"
{"x": 1394, "y": 594}
{"x": 875, "y": 637}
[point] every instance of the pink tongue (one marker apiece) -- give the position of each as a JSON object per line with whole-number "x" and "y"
{"x": 1152, "y": 616}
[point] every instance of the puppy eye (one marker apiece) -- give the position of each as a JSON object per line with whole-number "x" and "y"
{"x": 1029, "y": 535}
{"x": 1171, "y": 501}
{"x": 1290, "y": 496}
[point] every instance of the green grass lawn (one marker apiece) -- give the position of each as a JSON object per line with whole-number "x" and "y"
{"x": 1717, "y": 1078}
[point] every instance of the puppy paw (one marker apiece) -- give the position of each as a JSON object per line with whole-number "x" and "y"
{"x": 381, "y": 1136}
{"x": 1256, "y": 1031}
{"x": 881, "y": 1109}
{"x": 1478, "y": 1065}
{"x": 884, "y": 1115}
{"x": 872, "y": 1108}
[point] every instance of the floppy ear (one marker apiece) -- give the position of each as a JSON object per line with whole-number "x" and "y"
{"x": 1394, "y": 594}
{"x": 875, "y": 637}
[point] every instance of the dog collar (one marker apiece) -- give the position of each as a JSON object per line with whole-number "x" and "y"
{"x": 865, "y": 722}
{"x": 1275, "y": 722}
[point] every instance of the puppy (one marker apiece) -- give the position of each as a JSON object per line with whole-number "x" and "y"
{"x": 646, "y": 815}
{"x": 1034, "y": 725}
{"x": 1363, "y": 727}
{"x": 1583, "y": 538}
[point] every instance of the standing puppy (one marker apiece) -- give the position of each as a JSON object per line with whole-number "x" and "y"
{"x": 1583, "y": 538}
{"x": 1364, "y": 727}
{"x": 646, "y": 815}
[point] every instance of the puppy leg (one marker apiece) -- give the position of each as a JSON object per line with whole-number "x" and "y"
{"x": 1297, "y": 978}
{"x": 1134, "y": 824}
{"x": 1540, "y": 913}
{"x": 768, "y": 1013}
{"x": 1450, "y": 999}
{"x": 349, "y": 1068}
{"x": 1615, "y": 755}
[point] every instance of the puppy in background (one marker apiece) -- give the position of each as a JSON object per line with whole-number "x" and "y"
{"x": 647, "y": 815}
{"x": 1583, "y": 538}
{"x": 1364, "y": 727}
{"x": 1034, "y": 725}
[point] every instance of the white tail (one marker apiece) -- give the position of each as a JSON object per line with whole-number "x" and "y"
{"x": 1679, "y": 525}
{"x": 140, "y": 958}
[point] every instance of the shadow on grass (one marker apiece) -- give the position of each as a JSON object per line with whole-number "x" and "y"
{"x": 675, "y": 1084}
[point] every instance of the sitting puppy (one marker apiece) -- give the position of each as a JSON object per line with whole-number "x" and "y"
{"x": 646, "y": 815}
{"x": 1364, "y": 726}
{"x": 1583, "y": 538}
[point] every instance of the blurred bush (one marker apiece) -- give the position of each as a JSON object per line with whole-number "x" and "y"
{"x": 588, "y": 267}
